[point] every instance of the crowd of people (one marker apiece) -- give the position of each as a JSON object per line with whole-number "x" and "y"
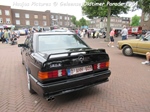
{"x": 7, "y": 35}
{"x": 90, "y": 33}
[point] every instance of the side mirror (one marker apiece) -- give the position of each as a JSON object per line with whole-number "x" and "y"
{"x": 22, "y": 45}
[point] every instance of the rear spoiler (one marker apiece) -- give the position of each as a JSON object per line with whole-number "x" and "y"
{"x": 95, "y": 51}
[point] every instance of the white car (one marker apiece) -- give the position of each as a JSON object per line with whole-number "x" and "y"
{"x": 22, "y": 32}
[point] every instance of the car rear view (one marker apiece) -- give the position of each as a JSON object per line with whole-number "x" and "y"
{"x": 70, "y": 65}
{"x": 63, "y": 63}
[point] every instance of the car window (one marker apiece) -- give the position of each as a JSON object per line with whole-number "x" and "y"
{"x": 58, "y": 42}
{"x": 28, "y": 41}
{"x": 30, "y": 44}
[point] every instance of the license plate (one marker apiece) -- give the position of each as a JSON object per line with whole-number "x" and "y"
{"x": 79, "y": 70}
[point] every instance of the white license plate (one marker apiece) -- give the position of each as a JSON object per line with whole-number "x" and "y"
{"x": 79, "y": 70}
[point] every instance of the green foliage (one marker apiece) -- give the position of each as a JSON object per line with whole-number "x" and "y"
{"x": 78, "y": 24}
{"x": 105, "y": 8}
{"x": 87, "y": 22}
{"x": 73, "y": 20}
{"x": 135, "y": 21}
{"x": 144, "y": 5}
{"x": 101, "y": 11}
{"x": 82, "y": 21}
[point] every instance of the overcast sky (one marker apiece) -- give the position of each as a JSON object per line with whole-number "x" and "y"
{"x": 57, "y": 6}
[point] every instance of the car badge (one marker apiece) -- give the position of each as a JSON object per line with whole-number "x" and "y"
{"x": 81, "y": 58}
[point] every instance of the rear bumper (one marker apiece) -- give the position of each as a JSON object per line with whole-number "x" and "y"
{"x": 70, "y": 85}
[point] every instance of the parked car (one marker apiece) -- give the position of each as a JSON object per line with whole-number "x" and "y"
{"x": 22, "y": 32}
{"x": 17, "y": 32}
{"x": 144, "y": 32}
{"x": 135, "y": 46}
{"x": 46, "y": 29}
{"x": 60, "y": 62}
{"x": 118, "y": 32}
{"x": 98, "y": 33}
{"x": 142, "y": 35}
{"x": 58, "y": 30}
{"x": 73, "y": 31}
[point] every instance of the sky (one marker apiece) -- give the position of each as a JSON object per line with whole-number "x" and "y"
{"x": 71, "y": 7}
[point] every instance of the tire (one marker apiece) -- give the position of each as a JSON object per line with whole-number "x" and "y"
{"x": 29, "y": 84}
{"x": 22, "y": 60}
{"x": 127, "y": 51}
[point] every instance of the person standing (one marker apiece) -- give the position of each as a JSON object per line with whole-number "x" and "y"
{"x": 6, "y": 36}
{"x": 112, "y": 33}
{"x": 9, "y": 33}
{"x": 82, "y": 34}
{"x": 88, "y": 33}
{"x": 1, "y": 35}
{"x": 124, "y": 33}
{"x": 79, "y": 33}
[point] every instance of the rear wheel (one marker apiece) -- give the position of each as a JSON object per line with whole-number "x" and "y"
{"x": 127, "y": 51}
{"x": 29, "y": 84}
{"x": 22, "y": 60}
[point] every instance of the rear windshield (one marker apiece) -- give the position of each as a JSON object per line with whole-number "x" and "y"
{"x": 58, "y": 42}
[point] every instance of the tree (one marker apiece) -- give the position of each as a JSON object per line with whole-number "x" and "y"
{"x": 87, "y": 22}
{"x": 73, "y": 20}
{"x": 105, "y": 8}
{"x": 78, "y": 24}
{"x": 82, "y": 22}
{"x": 135, "y": 21}
{"x": 144, "y": 5}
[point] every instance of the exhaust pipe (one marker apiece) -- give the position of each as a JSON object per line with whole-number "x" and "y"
{"x": 50, "y": 99}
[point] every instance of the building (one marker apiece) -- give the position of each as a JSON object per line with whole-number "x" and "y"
{"x": 145, "y": 21}
{"x": 126, "y": 21}
{"x": 115, "y": 22}
{"x": 94, "y": 23}
{"x": 5, "y": 16}
{"x": 28, "y": 18}
{"x": 61, "y": 20}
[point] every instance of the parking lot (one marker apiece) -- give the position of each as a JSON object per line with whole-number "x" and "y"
{"x": 128, "y": 89}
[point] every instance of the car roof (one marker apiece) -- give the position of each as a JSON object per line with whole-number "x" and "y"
{"x": 53, "y": 33}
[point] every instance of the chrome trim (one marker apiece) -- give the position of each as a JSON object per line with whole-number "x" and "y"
{"x": 33, "y": 78}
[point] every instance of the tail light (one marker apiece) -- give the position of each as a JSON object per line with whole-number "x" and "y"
{"x": 101, "y": 65}
{"x": 51, "y": 74}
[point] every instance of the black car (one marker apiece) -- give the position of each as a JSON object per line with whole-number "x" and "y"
{"x": 60, "y": 62}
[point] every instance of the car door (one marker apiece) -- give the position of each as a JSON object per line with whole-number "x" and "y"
{"x": 144, "y": 45}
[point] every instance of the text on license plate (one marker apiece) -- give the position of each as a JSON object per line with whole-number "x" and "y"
{"x": 79, "y": 70}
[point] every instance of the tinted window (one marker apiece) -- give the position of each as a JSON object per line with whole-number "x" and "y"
{"x": 30, "y": 42}
{"x": 56, "y": 42}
